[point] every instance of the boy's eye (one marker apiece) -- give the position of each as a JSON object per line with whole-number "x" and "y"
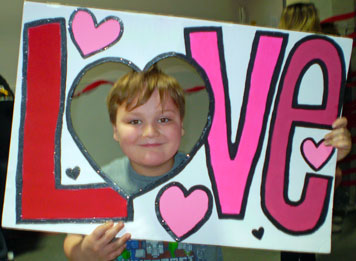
{"x": 135, "y": 122}
{"x": 163, "y": 120}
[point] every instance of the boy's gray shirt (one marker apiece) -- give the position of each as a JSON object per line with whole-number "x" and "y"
{"x": 121, "y": 172}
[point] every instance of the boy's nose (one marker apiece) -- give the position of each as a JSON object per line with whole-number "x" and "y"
{"x": 150, "y": 131}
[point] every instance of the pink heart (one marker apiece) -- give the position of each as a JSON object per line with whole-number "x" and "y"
{"x": 316, "y": 155}
{"x": 90, "y": 37}
{"x": 183, "y": 212}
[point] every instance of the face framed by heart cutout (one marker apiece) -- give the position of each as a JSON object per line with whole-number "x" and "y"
{"x": 99, "y": 126}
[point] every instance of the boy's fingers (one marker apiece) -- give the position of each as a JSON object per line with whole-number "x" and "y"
{"x": 116, "y": 246}
{"x": 117, "y": 252}
{"x": 101, "y": 230}
{"x": 341, "y": 134}
{"x": 338, "y": 143}
{"x": 330, "y": 134}
{"x": 335, "y": 135}
{"x": 339, "y": 128}
{"x": 340, "y": 123}
{"x": 111, "y": 233}
{"x": 119, "y": 243}
{"x": 122, "y": 240}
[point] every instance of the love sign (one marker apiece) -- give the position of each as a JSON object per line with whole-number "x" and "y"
{"x": 259, "y": 172}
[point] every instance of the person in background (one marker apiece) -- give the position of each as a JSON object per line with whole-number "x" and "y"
{"x": 300, "y": 16}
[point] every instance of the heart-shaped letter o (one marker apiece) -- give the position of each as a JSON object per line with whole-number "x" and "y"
{"x": 90, "y": 37}
{"x": 183, "y": 212}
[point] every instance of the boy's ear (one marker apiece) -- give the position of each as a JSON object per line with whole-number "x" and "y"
{"x": 182, "y": 131}
{"x": 115, "y": 135}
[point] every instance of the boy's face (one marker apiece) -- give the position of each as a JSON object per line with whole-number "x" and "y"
{"x": 150, "y": 134}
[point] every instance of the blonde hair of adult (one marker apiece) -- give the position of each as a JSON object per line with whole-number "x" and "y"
{"x": 300, "y": 17}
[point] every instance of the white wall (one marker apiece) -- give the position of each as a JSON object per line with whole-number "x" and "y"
{"x": 264, "y": 12}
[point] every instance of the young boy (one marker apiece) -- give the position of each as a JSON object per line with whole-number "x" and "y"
{"x": 146, "y": 110}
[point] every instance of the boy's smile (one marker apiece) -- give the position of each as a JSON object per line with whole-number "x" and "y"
{"x": 150, "y": 134}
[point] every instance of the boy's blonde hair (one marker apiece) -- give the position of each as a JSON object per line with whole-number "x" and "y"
{"x": 300, "y": 17}
{"x": 135, "y": 88}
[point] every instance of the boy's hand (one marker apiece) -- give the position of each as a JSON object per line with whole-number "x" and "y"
{"x": 339, "y": 138}
{"x": 100, "y": 245}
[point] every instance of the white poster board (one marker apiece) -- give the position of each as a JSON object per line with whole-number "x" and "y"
{"x": 258, "y": 174}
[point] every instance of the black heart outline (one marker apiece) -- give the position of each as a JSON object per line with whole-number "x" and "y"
{"x": 73, "y": 173}
{"x": 316, "y": 146}
{"x": 91, "y": 161}
{"x": 258, "y": 233}
{"x": 96, "y": 24}
{"x": 186, "y": 194}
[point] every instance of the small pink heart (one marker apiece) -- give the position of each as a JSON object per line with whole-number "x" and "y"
{"x": 183, "y": 212}
{"x": 316, "y": 155}
{"x": 90, "y": 37}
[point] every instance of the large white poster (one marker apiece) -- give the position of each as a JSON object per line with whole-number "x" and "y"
{"x": 258, "y": 176}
